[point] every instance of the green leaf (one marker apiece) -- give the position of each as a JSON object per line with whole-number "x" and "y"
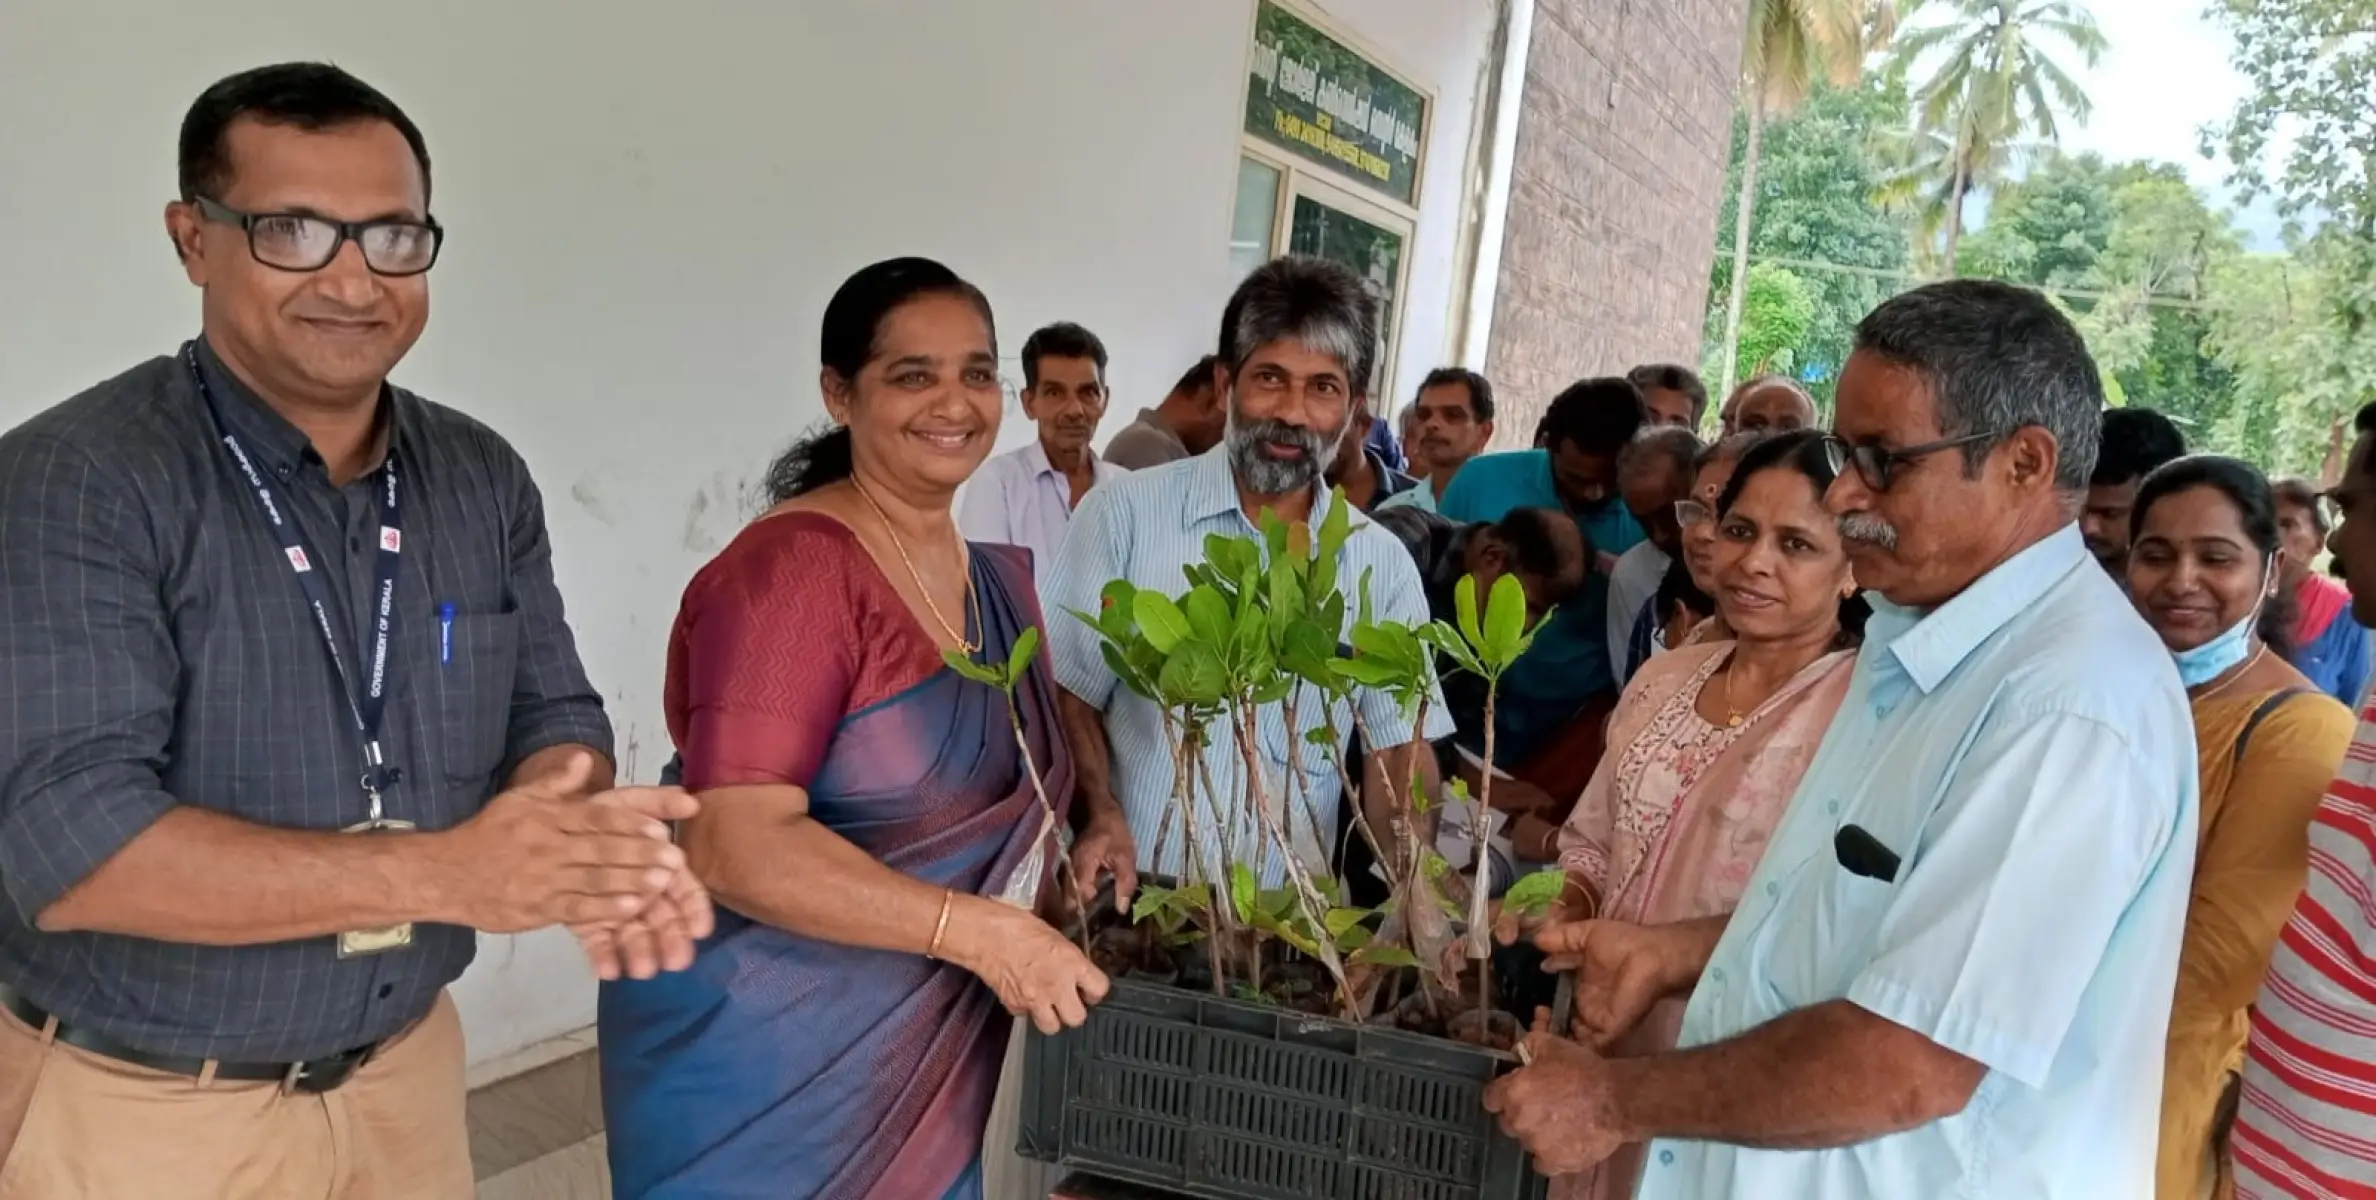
{"x": 1274, "y": 533}
{"x": 1130, "y": 676}
{"x": 1208, "y": 614}
{"x": 1535, "y": 893}
{"x": 1278, "y": 902}
{"x": 1388, "y": 956}
{"x": 1320, "y": 735}
{"x": 1354, "y": 940}
{"x": 1027, "y": 643}
{"x": 975, "y": 671}
{"x": 1335, "y": 526}
{"x": 1242, "y": 891}
{"x": 1464, "y": 603}
{"x": 1433, "y": 865}
{"x": 1338, "y": 920}
{"x": 1230, "y": 557}
{"x": 1505, "y": 621}
{"x": 1306, "y": 650}
{"x": 1368, "y": 672}
{"x": 1362, "y": 616}
{"x": 1193, "y": 676}
{"x": 1153, "y": 898}
{"x": 1161, "y": 620}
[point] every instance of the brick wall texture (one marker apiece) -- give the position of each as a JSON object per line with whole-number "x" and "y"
{"x": 1623, "y": 137}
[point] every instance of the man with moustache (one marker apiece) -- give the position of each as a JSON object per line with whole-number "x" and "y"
{"x": 295, "y": 708}
{"x": 1951, "y": 971}
{"x": 1026, "y": 497}
{"x": 1298, "y": 343}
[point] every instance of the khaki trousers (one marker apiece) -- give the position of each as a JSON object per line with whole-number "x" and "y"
{"x": 78, "y": 1126}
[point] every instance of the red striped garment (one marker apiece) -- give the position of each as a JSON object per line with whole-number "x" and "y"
{"x": 2306, "y": 1126}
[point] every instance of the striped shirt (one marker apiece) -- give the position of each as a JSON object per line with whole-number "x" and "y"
{"x": 2306, "y": 1121}
{"x": 1145, "y": 527}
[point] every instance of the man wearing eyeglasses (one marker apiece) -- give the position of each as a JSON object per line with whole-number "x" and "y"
{"x": 1950, "y": 973}
{"x": 292, "y": 709}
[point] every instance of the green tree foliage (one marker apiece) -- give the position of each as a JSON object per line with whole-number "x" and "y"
{"x": 1996, "y": 77}
{"x": 1778, "y": 309}
{"x": 2305, "y": 136}
{"x": 1791, "y": 44}
{"x": 1824, "y": 165}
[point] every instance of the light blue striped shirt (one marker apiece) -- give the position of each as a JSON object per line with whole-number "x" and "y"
{"x": 1145, "y": 527}
{"x": 2027, "y": 752}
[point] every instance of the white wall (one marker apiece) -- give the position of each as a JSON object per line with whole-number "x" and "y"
{"x": 649, "y": 206}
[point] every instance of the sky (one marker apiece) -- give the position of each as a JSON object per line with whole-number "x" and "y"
{"x": 2165, "y": 76}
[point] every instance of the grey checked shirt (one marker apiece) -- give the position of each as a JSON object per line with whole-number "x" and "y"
{"x": 155, "y": 650}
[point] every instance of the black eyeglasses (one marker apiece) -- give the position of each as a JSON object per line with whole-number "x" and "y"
{"x": 303, "y": 242}
{"x": 1878, "y": 466}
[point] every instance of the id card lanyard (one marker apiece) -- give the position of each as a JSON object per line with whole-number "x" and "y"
{"x": 366, "y": 695}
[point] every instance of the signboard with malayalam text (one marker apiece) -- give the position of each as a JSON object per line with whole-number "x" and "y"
{"x": 1322, "y": 101}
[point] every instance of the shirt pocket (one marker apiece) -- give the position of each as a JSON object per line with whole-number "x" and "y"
{"x": 1821, "y": 931}
{"x": 472, "y": 666}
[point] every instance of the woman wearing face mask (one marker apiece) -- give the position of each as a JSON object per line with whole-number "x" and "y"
{"x": 1709, "y": 740}
{"x": 2206, "y": 570}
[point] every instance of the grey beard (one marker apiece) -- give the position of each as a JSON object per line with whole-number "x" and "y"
{"x": 1268, "y": 476}
{"x": 1868, "y": 529}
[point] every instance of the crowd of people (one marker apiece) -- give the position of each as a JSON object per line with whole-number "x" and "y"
{"x": 1958, "y": 793}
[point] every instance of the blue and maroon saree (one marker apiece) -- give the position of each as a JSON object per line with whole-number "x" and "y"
{"x": 778, "y": 1065}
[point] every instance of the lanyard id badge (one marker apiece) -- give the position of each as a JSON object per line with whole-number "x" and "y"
{"x": 367, "y": 697}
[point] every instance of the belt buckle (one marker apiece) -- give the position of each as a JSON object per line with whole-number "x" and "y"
{"x": 317, "y": 1076}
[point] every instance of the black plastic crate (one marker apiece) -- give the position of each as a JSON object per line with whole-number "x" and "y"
{"x": 1223, "y": 1099}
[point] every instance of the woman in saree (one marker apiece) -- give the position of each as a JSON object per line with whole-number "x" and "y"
{"x": 869, "y": 829}
{"x": 2325, "y": 644}
{"x": 1709, "y": 740}
{"x": 2207, "y": 568}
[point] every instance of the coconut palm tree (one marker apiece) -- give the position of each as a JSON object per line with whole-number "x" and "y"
{"x": 1993, "y": 87}
{"x": 1791, "y": 44}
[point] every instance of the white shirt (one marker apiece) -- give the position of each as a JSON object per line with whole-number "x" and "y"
{"x": 1632, "y": 583}
{"x": 1020, "y": 499}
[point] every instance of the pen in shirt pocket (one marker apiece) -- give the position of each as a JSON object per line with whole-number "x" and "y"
{"x": 445, "y": 633}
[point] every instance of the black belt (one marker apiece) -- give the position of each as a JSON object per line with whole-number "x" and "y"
{"x": 313, "y": 1075}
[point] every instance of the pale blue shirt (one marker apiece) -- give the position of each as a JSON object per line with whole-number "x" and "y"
{"x": 2027, "y": 751}
{"x": 1020, "y": 499}
{"x": 1145, "y": 527}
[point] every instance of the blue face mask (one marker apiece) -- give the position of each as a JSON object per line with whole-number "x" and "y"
{"x": 2221, "y": 654}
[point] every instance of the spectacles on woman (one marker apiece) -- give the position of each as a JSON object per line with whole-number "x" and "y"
{"x": 304, "y": 242}
{"x": 1689, "y": 513}
{"x": 1878, "y": 466}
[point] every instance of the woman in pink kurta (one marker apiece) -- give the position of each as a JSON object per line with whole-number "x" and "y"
{"x": 1708, "y": 742}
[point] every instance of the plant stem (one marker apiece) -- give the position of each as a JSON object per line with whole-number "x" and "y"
{"x": 1188, "y": 748}
{"x": 1048, "y": 823}
{"x": 1315, "y": 909}
{"x": 1480, "y": 821}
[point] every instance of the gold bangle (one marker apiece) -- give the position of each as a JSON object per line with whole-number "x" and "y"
{"x": 941, "y": 928}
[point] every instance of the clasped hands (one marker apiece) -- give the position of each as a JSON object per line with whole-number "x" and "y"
{"x": 1563, "y": 1105}
{"x": 553, "y": 850}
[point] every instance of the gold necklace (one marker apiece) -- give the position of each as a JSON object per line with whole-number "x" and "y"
{"x": 965, "y": 564}
{"x": 1733, "y": 716}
